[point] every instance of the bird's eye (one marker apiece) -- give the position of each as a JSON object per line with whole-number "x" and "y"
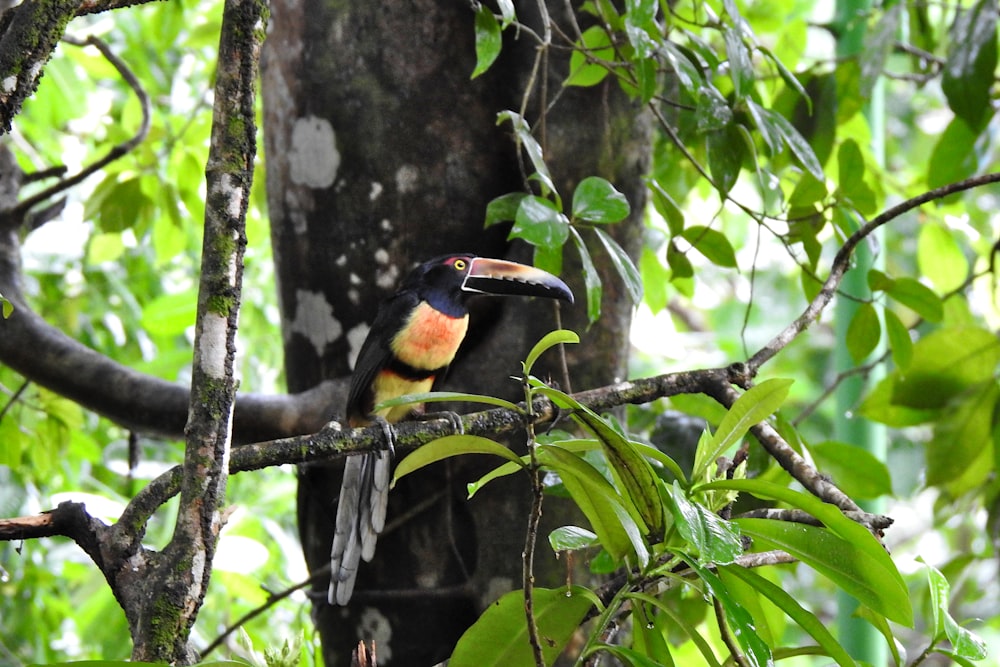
{"x": 460, "y": 264}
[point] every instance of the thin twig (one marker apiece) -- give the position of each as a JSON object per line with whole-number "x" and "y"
{"x": 727, "y": 636}
{"x": 14, "y": 398}
{"x": 272, "y": 599}
{"x": 531, "y": 536}
{"x": 842, "y": 260}
{"x": 23, "y": 207}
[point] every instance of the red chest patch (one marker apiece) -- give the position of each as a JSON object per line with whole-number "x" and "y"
{"x": 429, "y": 339}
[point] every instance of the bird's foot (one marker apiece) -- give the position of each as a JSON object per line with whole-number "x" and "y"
{"x": 453, "y": 418}
{"x": 389, "y": 433}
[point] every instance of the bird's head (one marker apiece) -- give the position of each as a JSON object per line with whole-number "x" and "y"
{"x": 447, "y": 282}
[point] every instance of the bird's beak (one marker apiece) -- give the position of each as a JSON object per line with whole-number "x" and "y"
{"x": 498, "y": 276}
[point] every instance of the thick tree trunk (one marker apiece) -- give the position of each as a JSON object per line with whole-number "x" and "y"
{"x": 382, "y": 153}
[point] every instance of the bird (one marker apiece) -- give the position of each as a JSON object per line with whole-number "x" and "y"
{"x": 414, "y": 337}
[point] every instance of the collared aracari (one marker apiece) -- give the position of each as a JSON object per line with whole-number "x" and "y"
{"x": 414, "y": 337}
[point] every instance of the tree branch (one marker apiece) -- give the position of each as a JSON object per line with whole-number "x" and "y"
{"x": 29, "y": 33}
{"x": 183, "y": 570}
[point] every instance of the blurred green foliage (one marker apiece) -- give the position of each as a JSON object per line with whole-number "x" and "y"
{"x": 761, "y": 168}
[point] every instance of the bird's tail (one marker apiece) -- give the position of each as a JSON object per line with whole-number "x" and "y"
{"x": 361, "y": 509}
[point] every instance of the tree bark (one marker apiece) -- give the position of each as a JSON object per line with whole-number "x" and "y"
{"x": 382, "y": 153}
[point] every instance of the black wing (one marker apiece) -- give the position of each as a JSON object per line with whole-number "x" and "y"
{"x": 392, "y": 316}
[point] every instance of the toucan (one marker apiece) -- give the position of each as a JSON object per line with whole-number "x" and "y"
{"x": 414, "y": 337}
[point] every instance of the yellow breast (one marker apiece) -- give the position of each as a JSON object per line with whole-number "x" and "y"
{"x": 429, "y": 339}
{"x": 387, "y": 385}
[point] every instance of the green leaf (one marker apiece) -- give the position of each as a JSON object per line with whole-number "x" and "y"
{"x": 788, "y": 604}
{"x": 879, "y": 406}
{"x": 600, "y": 502}
{"x": 597, "y": 200}
{"x": 725, "y": 156}
{"x": 680, "y": 265}
{"x": 971, "y": 61}
{"x": 531, "y": 146}
{"x": 940, "y": 258}
{"x": 447, "y": 447}
{"x": 595, "y": 45}
{"x": 442, "y": 397}
{"x": 899, "y": 340}
{"x": 962, "y": 437}
{"x": 548, "y": 259}
{"x": 740, "y": 66}
{"x": 575, "y": 445}
{"x": 488, "y": 40}
{"x": 633, "y": 474}
{"x": 715, "y": 539}
{"x": 844, "y": 551}
{"x": 850, "y": 568}
{"x": 551, "y": 339}
{"x": 754, "y": 406}
{"x": 571, "y": 538}
{"x": 964, "y": 643}
{"x": 711, "y": 243}
{"x": 499, "y": 638}
{"x": 954, "y": 156}
{"x": 777, "y": 131}
{"x": 591, "y": 278}
{"x": 856, "y": 471}
{"x": 863, "y": 332}
{"x": 917, "y": 297}
{"x": 668, "y": 208}
{"x": 851, "y": 170}
{"x": 6, "y": 307}
{"x": 945, "y": 364}
{"x": 125, "y": 206}
{"x": 503, "y": 208}
{"x": 755, "y": 649}
{"x": 540, "y": 223}
{"x": 623, "y": 264}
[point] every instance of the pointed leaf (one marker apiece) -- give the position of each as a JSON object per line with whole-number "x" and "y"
{"x": 591, "y": 278}
{"x": 635, "y": 477}
{"x": 600, "y": 502}
{"x": 841, "y": 561}
{"x": 878, "y": 580}
{"x": 715, "y": 539}
{"x": 899, "y": 340}
{"x": 863, "y": 332}
{"x": 549, "y": 340}
{"x": 756, "y": 651}
{"x": 488, "y": 40}
{"x": 971, "y": 61}
{"x": 443, "y": 397}
{"x": 754, "y": 406}
{"x": 623, "y": 264}
{"x": 447, "y": 447}
{"x": 595, "y": 44}
{"x": 503, "y": 208}
{"x": 571, "y": 538}
{"x": 500, "y": 637}
{"x": 918, "y": 297}
{"x": 711, "y": 243}
{"x": 806, "y": 620}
